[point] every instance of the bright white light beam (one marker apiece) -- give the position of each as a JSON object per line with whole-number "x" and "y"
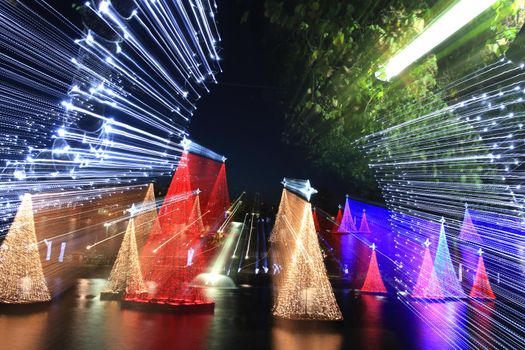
{"x": 438, "y": 31}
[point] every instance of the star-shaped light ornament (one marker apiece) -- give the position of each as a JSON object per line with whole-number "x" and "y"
{"x": 185, "y": 143}
{"x": 301, "y": 187}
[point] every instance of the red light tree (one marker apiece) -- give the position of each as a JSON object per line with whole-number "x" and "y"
{"x": 338, "y": 219}
{"x": 481, "y": 288}
{"x": 172, "y": 258}
{"x": 219, "y": 200}
{"x": 373, "y": 281}
{"x": 427, "y": 285}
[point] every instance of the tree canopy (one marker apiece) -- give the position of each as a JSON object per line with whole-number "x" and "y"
{"x": 330, "y": 51}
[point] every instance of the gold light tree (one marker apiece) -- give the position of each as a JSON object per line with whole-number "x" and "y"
{"x": 126, "y": 275}
{"x": 22, "y": 278}
{"x": 304, "y": 291}
{"x": 280, "y": 239}
{"x": 146, "y": 220}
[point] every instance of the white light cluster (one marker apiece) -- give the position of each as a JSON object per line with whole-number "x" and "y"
{"x": 464, "y": 147}
{"x": 104, "y": 106}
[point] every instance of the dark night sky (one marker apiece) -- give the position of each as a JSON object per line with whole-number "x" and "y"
{"x": 242, "y": 118}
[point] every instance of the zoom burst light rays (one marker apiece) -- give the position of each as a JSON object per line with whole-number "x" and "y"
{"x": 106, "y": 105}
{"x": 464, "y": 146}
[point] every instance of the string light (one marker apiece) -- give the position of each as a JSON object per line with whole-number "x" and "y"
{"x": 126, "y": 275}
{"x": 463, "y": 144}
{"x": 303, "y": 288}
{"x": 21, "y": 275}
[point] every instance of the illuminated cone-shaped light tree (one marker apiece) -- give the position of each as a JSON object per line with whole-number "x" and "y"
{"x": 338, "y": 220}
{"x": 173, "y": 258}
{"x": 445, "y": 272}
{"x": 281, "y": 237}
{"x": 146, "y": 220}
{"x": 373, "y": 281}
{"x": 126, "y": 275}
{"x": 22, "y": 278}
{"x": 469, "y": 240}
{"x": 347, "y": 222}
{"x": 427, "y": 285}
{"x": 468, "y": 231}
{"x": 305, "y": 292}
{"x": 363, "y": 227}
{"x": 219, "y": 200}
{"x": 196, "y": 215}
{"x": 481, "y": 288}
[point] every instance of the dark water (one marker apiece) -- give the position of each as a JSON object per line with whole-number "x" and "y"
{"x": 242, "y": 320}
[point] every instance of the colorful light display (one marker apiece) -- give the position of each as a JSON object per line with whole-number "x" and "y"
{"x": 464, "y": 146}
{"x": 177, "y": 253}
{"x": 107, "y": 105}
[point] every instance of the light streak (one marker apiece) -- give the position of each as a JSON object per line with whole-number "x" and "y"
{"x": 464, "y": 146}
{"x": 179, "y": 233}
{"x": 87, "y": 120}
{"x": 448, "y": 23}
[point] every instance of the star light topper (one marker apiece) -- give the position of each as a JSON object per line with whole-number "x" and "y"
{"x": 185, "y": 143}
{"x": 373, "y": 246}
{"x": 301, "y": 187}
{"x": 480, "y": 251}
{"x": 133, "y": 210}
{"x": 427, "y": 243}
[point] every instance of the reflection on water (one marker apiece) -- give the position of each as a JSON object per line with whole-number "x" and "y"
{"x": 22, "y": 330}
{"x": 242, "y": 319}
{"x": 373, "y": 318}
{"x": 301, "y": 336}
{"x": 442, "y": 325}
